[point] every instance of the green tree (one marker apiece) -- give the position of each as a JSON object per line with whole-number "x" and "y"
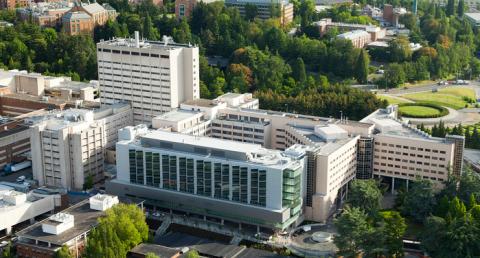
{"x": 366, "y": 195}
{"x": 361, "y": 67}
{"x": 352, "y": 227}
{"x": 121, "y": 229}
{"x": 251, "y": 11}
{"x": 393, "y": 228}
{"x": 63, "y": 252}
{"x": 149, "y": 31}
{"x": 88, "y": 182}
{"x": 192, "y": 254}
{"x": 151, "y": 255}
{"x": 450, "y": 10}
{"x": 399, "y": 49}
{"x": 298, "y": 70}
{"x": 394, "y": 75}
{"x": 461, "y": 8}
{"x": 419, "y": 200}
{"x": 181, "y": 33}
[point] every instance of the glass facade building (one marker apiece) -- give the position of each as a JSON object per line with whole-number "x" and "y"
{"x": 238, "y": 182}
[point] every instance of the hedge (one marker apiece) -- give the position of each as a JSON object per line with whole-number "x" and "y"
{"x": 443, "y": 111}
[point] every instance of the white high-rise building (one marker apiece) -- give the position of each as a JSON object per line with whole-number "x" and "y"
{"x": 154, "y": 76}
{"x": 69, "y": 146}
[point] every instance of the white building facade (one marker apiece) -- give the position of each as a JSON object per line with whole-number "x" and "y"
{"x": 154, "y": 76}
{"x": 69, "y": 146}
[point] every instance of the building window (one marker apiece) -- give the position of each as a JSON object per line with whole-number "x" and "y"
{"x": 181, "y": 11}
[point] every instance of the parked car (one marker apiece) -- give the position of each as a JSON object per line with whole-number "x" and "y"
{"x": 20, "y": 179}
{"x": 442, "y": 83}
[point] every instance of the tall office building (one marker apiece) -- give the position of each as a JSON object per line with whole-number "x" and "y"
{"x": 154, "y": 76}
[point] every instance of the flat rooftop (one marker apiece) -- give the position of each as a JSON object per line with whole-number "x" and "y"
{"x": 201, "y": 102}
{"x": 159, "y": 250}
{"x": 85, "y": 220}
{"x": 326, "y": 147}
{"x": 386, "y": 124}
{"x": 201, "y": 141}
{"x": 27, "y": 97}
{"x": 144, "y": 44}
{"x": 473, "y": 16}
{"x": 177, "y": 115}
{"x": 220, "y": 148}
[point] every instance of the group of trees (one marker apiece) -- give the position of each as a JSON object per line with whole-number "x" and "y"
{"x": 449, "y": 219}
{"x": 453, "y": 227}
{"x": 363, "y": 229}
{"x": 449, "y": 46}
{"x": 120, "y": 230}
{"x": 27, "y": 46}
{"x": 471, "y": 132}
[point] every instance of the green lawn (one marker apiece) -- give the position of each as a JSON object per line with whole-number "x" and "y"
{"x": 419, "y": 111}
{"x": 451, "y": 97}
{"x": 391, "y": 100}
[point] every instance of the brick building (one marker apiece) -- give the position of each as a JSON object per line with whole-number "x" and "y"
{"x": 76, "y": 23}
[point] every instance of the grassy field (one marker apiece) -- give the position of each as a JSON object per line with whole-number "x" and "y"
{"x": 419, "y": 111}
{"x": 451, "y": 97}
{"x": 391, "y": 100}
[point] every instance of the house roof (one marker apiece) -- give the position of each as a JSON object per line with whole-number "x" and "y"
{"x": 93, "y": 8}
{"x": 76, "y": 16}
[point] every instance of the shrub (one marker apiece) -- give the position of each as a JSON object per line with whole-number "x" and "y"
{"x": 442, "y": 111}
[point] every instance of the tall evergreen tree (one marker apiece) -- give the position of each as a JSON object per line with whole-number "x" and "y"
{"x": 461, "y": 8}
{"x": 361, "y": 67}
{"x": 149, "y": 31}
{"x": 298, "y": 70}
{"x": 450, "y": 8}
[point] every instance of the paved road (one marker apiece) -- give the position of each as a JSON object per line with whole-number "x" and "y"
{"x": 399, "y": 91}
{"x": 13, "y": 177}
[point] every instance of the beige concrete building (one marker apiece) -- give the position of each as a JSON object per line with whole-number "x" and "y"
{"x": 337, "y": 151}
{"x": 402, "y": 153}
{"x": 332, "y": 144}
{"x": 69, "y": 146}
{"x": 359, "y": 38}
{"x": 58, "y": 88}
{"x": 154, "y": 76}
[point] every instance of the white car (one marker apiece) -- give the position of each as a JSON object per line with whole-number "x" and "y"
{"x": 20, "y": 179}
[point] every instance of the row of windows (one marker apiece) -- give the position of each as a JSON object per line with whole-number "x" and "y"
{"x": 413, "y": 168}
{"x": 412, "y": 161}
{"x": 410, "y": 154}
{"x": 130, "y": 64}
{"x": 131, "y": 53}
{"x": 406, "y": 174}
{"x": 199, "y": 177}
{"x": 409, "y": 147}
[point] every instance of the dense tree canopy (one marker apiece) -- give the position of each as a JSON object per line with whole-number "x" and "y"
{"x": 366, "y": 195}
{"x": 120, "y": 230}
